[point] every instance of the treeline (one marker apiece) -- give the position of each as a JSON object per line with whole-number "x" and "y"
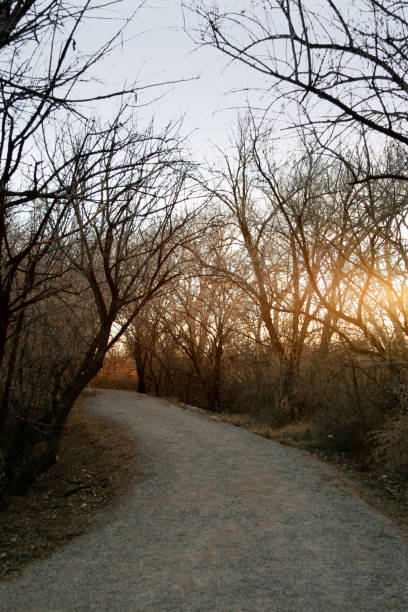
{"x": 294, "y": 304}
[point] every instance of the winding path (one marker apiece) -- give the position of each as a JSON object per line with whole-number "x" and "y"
{"x": 220, "y": 520}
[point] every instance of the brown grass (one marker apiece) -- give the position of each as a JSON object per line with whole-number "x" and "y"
{"x": 391, "y": 444}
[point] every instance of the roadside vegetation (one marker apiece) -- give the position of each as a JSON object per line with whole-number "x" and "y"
{"x": 270, "y": 284}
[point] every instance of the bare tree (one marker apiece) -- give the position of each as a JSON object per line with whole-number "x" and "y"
{"x": 185, "y": 334}
{"x": 270, "y": 269}
{"x": 201, "y": 325}
{"x": 121, "y": 199}
{"x": 88, "y": 230}
{"x": 43, "y": 79}
{"x": 142, "y": 340}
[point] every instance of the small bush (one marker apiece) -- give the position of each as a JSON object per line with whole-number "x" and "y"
{"x": 391, "y": 444}
{"x": 345, "y": 437}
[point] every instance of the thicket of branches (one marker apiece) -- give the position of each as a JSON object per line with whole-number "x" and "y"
{"x": 336, "y": 70}
{"x": 294, "y": 306}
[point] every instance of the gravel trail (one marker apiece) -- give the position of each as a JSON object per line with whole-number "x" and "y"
{"x": 220, "y": 520}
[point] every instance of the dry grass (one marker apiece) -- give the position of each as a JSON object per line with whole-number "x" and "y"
{"x": 391, "y": 445}
{"x": 292, "y": 434}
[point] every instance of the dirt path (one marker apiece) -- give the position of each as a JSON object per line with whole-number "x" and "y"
{"x": 220, "y": 520}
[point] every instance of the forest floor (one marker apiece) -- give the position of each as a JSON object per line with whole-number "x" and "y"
{"x": 97, "y": 463}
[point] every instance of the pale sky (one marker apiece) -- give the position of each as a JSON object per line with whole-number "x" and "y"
{"x": 158, "y": 51}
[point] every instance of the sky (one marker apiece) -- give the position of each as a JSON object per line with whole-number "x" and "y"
{"x": 158, "y": 50}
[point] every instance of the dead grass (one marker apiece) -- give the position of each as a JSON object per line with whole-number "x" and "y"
{"x": 391, "y": 444}
{"x": 96, "y": 464}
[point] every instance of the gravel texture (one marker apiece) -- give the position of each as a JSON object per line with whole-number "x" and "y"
{"x": 220, "y": 520}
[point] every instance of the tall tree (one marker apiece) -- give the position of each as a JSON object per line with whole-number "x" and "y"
{"x": 87, "y": 223}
